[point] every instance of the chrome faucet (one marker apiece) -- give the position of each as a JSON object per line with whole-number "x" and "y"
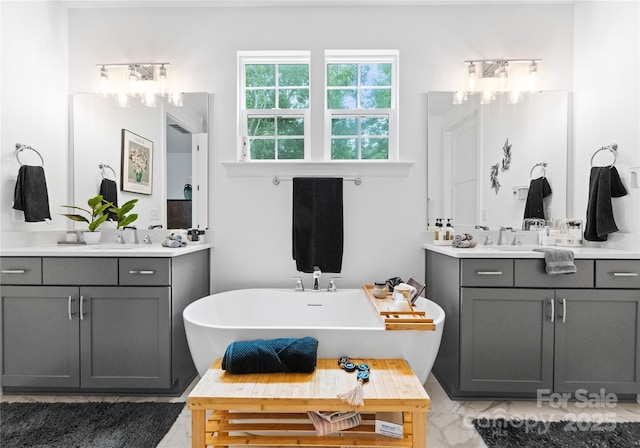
{"x": 157, "y": 226}
{"x": 316, "y": 278}
{"x": 332, "y": 284}
{"x": 501, "y": 238}
{"x": 119, "y": 239}
{"x": 299, "y": 285}
{"x": 478, "y": 226}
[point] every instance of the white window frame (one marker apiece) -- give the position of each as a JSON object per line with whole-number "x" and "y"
{"x": 272, "y": 57}
{"x": 363, "y": 57}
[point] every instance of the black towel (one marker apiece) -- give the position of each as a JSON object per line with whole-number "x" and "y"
{"x": 318, "y": 234}
{"x": 30, "y": 194}
{"x": 271, "y": 355}
{"x": 109, "y": 192}
{"x": 604, "y": 184}
{"x": 538, "y": 190}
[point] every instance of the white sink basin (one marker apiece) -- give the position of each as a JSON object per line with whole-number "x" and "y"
{"x": 523, "y": 248}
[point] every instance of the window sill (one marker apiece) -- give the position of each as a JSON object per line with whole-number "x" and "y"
{"x": 343, "y": 168}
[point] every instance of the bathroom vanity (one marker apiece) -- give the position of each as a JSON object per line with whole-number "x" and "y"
{"x": 513, "y": 331}
{"x": 99, "y": 319}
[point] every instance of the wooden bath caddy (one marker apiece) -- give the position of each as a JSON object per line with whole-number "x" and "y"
{"x": 411, "y": 319}
{"x": 269, "y": 409}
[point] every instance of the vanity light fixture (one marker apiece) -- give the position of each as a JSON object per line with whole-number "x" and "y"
{"x": 491, "y": 76}
{"x": 146, "y": 81}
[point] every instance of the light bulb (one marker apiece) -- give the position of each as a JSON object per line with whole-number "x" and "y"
{"x": 149, "y": 99}
{"x": 472, "y": 76}
{"x": 103, "y": 82}
{"x": 162, "y": 81}
{"x": 502, "y": 74}
{"x": 176, "y": 98}
{"x": 134, "y": 81}
{"x": 532, "y": 80}
{"x": 515, "y": 96}
{"x": 488, "y": 97}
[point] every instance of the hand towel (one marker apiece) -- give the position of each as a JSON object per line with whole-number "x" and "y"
{"x": 463, "y": 240}
{"x": 109, "y": 192}
{"x": 317, "y": 231}
{"x": 558, "y": 261}
{"x": 30, "y": 194}
{"x": 538, "y": 190}
{"x": 271, "y": 355}
{"x": 324, "y": 426}
{"x": 604, "y": 184}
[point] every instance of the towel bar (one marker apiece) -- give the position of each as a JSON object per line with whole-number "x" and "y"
{"x": 20, "y": 147}
{"x": 276, "y": 180}
{"x": 614, "y": 150}
{"x": 102, "y": 167}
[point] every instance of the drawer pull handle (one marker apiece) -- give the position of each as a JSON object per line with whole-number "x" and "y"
{"x": 81, "y": 308}
{"x": 553, "y": 310}
{"x": 14, "y": 271}
{"x": 489, "y": 272}
{"x": 142, "y": 272}
{"x": 564, "y": 310}
{"x": 625, "y": 274}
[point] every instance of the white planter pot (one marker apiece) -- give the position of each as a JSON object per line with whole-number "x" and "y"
{"x": 91, "y": 237}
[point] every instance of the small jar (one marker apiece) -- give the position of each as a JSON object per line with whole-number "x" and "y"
{"x": 380, "y": 290}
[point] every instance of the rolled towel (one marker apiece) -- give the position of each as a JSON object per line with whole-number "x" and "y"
{"x": 462, "y": 237}
{"x": 465, "y": 244}
{"x": 558, "y": 261}
{"x": 175, "y": 240}
{"x": 324, "y": 426}
{"x": 271, "y": 355}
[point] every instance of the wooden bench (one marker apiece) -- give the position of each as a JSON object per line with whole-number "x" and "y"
{"x": 270, "y": 409}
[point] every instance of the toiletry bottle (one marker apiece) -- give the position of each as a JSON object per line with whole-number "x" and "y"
{"x": 436, "y": 230}
{"x": 450, "y": 231}
{"x": 441, "y": 232}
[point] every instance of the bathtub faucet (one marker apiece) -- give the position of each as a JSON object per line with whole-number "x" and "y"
{"x": 316, "y": 278}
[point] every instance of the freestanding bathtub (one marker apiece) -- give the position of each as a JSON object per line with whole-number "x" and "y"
{"x": 343, "y": 322}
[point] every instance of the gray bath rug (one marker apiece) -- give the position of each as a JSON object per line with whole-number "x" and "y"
{"x": 85, "y": 425}
{"x": 501, "y": 433}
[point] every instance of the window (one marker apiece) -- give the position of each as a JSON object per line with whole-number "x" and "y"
{"x": 361, "y": 105}
{"x": 274, "y": 104}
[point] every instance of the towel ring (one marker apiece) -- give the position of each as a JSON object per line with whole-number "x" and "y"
{"x": 612, "y": 148}
{"x": 20, "y": 147}
{"x": 544, "y": 169}
{"x": 102, "y": 166}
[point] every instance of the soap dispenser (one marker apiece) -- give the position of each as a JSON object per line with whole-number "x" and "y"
{"x": 450, "y": 232}
{"x": 439, "y": 232}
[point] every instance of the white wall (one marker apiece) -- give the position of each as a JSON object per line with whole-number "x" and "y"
{"x": 607, "y": 105}
{"x": 34, "y": 49}
{"x": 251, "y": 218}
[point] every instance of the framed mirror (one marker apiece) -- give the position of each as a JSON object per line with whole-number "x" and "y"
{"x": 482, "y": 157}
{"x": 174, "y": 138}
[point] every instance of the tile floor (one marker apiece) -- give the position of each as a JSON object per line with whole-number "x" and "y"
{"x": 449, "y": 422}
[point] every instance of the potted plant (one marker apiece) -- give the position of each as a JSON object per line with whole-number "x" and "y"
{"x": 96, "y": 216}
{"x": 123, "y": 217}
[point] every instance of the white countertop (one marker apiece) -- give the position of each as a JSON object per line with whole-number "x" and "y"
{"x": 527, "y": 252}
{"x": 103, "y": 250}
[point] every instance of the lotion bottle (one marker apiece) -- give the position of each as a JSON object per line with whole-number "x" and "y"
{"x": 450, "y": 231}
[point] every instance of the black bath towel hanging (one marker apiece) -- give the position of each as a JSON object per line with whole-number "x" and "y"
{"x": 318, "y": 233}
{"x": 604, "y": 184}
{"x": 30, "y": 194}
{"x": 109, "y": 192}
{"x": 538, "y": 190}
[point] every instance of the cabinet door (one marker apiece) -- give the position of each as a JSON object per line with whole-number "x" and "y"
{"x": 40, "y": 336}
{"x": 506, "y": 340}
{"x": 597, "y": 341}
{"x": 125, "y": 337}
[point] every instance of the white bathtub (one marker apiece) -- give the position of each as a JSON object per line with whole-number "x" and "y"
{"x": 343, "y": 322}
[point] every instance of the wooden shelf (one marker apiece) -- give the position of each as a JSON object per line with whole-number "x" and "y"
{"x": 411, "y": 319}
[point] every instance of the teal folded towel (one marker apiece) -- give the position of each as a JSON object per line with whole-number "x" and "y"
{"x": 271, "y": 355}
{"x": 558, "y": 261}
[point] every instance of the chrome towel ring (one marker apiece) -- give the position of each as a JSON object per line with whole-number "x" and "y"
{"x": 104, "y": 166}
{"x": 543, "y": 165}
{"x": 20, "y": 147}
{"x": 612, "y": 148}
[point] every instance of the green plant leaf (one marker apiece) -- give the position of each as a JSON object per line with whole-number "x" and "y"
{"x": 78, "y": 218}
{"x": 95, "y": 224}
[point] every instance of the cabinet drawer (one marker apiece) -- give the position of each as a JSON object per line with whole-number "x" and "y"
{"x": 487, "y": 272}
{"x": 79, "y": 271}
{"x": 145, "y": 271}
{"x": 617, "y": 273}
{"x": 531, "y": 273}
{"x": 21, "y": 271}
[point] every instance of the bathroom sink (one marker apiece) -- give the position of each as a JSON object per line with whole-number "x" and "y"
{"x": 523, "y": 248}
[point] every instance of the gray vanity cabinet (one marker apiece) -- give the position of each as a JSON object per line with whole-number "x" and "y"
{"x": 85, "y": 324}
{"x": 512, "y": 330}
{"x": 40, "y": 334}
{"x": 506, "y": 340}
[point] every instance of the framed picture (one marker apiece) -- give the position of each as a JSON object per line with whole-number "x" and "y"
{"x": 137, "y": 163}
